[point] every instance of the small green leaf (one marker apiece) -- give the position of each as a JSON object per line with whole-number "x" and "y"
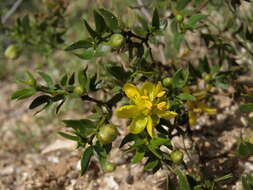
{"x": 87, "y": 54}
{"x": 186, "y": 96}
{"x": 183, "y": 182}
{"x": 99, "y": 22}
{"x": 78, "y": 45}
{"x": 110, "y": 19}
{"x": 138, "y": 157}
{"x": 92, "y": 33}
{"x": 180, "y": 78}
{"x": 150, "y": 164}
{"x": 70, "y": 137}
{"x": 156, "y": 20}
{"x": 158, "y": 141}
{"x": 47, "y": 79}
{"x": 128, "y": 138}
{"x": 72, "y": 79}
{"x": 64, "y": 80}
{"x": 178, "y": 39}
{"x": 246, "y": 107}
{"x": 193, "y": 20}
{"x": 86, "y": 159}
{"x": 247, "y": 181}
{"x": 84, "y": 126}
{"x": 23, "y": 93}
{"x": 245, "y": 149}
{"x": 181, "y": 4}
{"x": 39, "y": 101}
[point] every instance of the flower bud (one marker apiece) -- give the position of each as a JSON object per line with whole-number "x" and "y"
{"x": 79, "y": 90}
{"x": 179, "y": 18}
{"x": 167, "y": 82}
{"x": 107, "y": 133}
{"x": 12, "y": 52}
{"x": 108, "y": 167}
{"x": 176, "y": 156}
{"x": 207, "y": 77}
{"x": 117, "y": 40}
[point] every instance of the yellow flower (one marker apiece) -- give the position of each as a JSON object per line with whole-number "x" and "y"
{"x": 148, "y": 105}
{"x": 195, "y": 108}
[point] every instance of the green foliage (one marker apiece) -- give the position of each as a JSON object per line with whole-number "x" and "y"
{"x": 121, "y": 57}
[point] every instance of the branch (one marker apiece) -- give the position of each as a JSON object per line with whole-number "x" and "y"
{"x": 11, "y": 11}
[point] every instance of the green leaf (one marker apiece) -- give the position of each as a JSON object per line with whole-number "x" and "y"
{"x": 158, "y": 141}
{"x": 156, "y": 20}
{"x": 138, "y": 157}
{"x": 39, "y": 101}
{"x": 150, "y": 164}
{"x": 180, "y": 78}
{"x": 221, "y": 84}
{"x": 246, "y": 108}
{"x": 86, "y": 159}
{"x": 156, "y": 151}
{"x": 82, "y": 78}
{"x": 23, "y": 93}
{"x": 64, "y": 80}
{"x": 70, "y": 137}
{"x": 72, "y": 79}
{"x": 183, "y": 182}
{"x": 118, "y": 73}
{"x": 110, "y": 19}
{"x": 178, "y": 38}
{"x": 245, "y": 149}
{"x": 186, "y": 96}
{"x": 143, "y": 22}
{"x": 181, "y": 4}
{"x": 92, "y": 33}
{"x": 87, "y": 54}
{"x": 80, "y": 44}
{"x": 247, "y": 181}
{"x": 47, "y": 79}
{"x": 99, "y": 22}
{"x": 84, "y": 126}
{"x": 193, "y": 20}
{"x": 128, "y": 138}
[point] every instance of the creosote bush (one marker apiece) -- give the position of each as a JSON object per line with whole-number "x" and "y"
{"x": 156, "y": 78}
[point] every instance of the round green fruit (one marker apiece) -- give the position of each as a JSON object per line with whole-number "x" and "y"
{"x": 12, "y": 52}
{"x": 167, "y": 81}
{"x": 108, "y": 167}
{"x": 207, "y": 77}
{"x": 117, "y": 40}
{"x": 79, "y": 90}
{"x": 179, "y": 18}
{"x": 107, "y": 133}
{"x": 177, "y": 156}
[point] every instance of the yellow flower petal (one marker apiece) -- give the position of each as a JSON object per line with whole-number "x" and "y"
{"x": 160, "y": 94}
{"x": 128, "y": 111}
{"x": 167, "y": 114}
{"x": 150, "y": 127}
{"x": 211, "y": 111}
{"x": 162, "y": 105}
{"x": 192, "y": 118}
{"x": 138, "y": 124}
{"x": 131, "y": 91}
{"x": 147, "y": 89}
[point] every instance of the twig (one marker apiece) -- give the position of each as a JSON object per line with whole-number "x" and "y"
{"x": 11, "y": 11}
{"x": 143, "y": 10}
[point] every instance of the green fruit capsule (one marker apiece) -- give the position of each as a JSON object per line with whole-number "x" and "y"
{"x": 107, "y": 133}
{"x": 177, "y": 156}
{"x": 117, "y": 40}
{"x": 207, "y": 77}
{"x": 167, "y": 82}
{"x": 179, "y": 18}
{"x": 108, "y": 167}
{"x": 79, "y": 90}
{"x": 12, "y": 52}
